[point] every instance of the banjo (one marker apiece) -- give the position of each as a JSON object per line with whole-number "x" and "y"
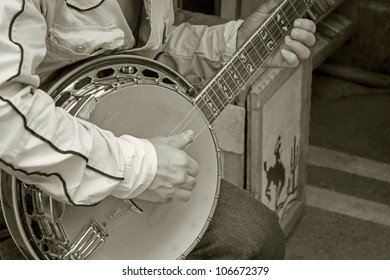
{"x": 108, "y": 90}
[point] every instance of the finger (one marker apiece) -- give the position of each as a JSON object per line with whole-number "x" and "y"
{"x": 290, "y": 59}
{"x": 299, "y": 49}
{"x": 189, "y": 185}
{"x": 269, "y": 6}
{"x": 182, "y": 195}
{"x": 181, "y": 140}
{"x": 303, "y": 36}
{"x": 306, "y": 24}
{"x": 165, "y": 201}
{"x": 192, "y": 167}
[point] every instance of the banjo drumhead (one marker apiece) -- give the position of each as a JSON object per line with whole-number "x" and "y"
{"x": 162, "y": 231}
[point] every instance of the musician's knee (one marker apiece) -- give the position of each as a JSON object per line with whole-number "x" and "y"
{"x": 242, "y": 228}
{"x": 259, "y": 236}
{"x": 271, "y": 243}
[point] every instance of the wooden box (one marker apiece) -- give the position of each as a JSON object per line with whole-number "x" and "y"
{"x": 264, "y": 142}
{"x": 278, "y": 112}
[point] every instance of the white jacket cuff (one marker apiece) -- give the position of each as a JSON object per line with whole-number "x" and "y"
{"x": 230, "y": 36}
{"x": 140, "y": 166}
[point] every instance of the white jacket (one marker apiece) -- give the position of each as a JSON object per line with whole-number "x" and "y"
{"x": 41, "y": 144}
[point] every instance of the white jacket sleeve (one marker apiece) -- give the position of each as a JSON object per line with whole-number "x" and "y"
{"x": 198, "y": 51}
{"x": 72, "y": 160}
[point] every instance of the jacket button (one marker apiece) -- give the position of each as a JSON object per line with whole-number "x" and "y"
{"x": 80, "y": 49}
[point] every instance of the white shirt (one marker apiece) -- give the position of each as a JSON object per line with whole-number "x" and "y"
{"x": 70, "y": 159}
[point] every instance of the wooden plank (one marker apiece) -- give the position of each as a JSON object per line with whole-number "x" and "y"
{"x": 233, "y": 168}
{"x": 324, "y": 48}
{"x": 337, "y": 4}
{"x": 268, "y": 83}
{"x": 295, "y": 213}
{"x": 230, "y": 132}
{"x": 326, "y": 158}
{"x": 254, "y": 146}
{"x": 262, "y": 89}
{"x": 349, "y": 8}
{"x": 306, "y": 81}
{"x": 348, "y": 205}
{"x": 357, "y": 75}
{"x": 230, "y": 129}
{"x": 327, "y": 46}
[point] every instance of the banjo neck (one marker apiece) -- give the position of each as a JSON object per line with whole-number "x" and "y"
{"x": 251, "y": 55}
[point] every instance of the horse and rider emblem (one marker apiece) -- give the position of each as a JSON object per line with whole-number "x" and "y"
{"x": 281, "y": 177}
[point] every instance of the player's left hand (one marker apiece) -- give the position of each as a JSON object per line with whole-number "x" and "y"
{"x": 296, "y": 45}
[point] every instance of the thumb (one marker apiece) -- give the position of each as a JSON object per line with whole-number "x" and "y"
{"x": 255, "y": 19}
{"x": 269, "y": 6}
{"x": 182, "y": 139}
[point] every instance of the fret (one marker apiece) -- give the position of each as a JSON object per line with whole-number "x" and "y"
{"x": 211, "y": 104}
{"x": 279, "y": 25}
{"x": 254, "y": 54}
{"x": 267, "y": 39}
{"x": 276, "y": 32}
{"x": 251, "y": 54}
{"x": 220, "y": 103}
{"x": 218, "y": 92}
{"x": 273, "y": 30}
{"x": 224, "y": 88}
{"x": 264, "y": 53}
{"x": 309, "y": 3}
{"x": 236, "y": 75}
{"x": 207, "y": 111}
{"x": 230, "y": 81}
{"x": 262, "y": 49}
{"x": 250, "y": 67}
{"x": 290, "y": 12}
{"x": 300, "y": 6}
{"x": 243, "y": 59}
{"x": 282, "y": 20}
{"x": 241, "y": 69}
{"x": 295, "y": 5}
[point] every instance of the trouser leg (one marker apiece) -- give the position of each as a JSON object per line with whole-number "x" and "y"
{"x": 242, "y": 228}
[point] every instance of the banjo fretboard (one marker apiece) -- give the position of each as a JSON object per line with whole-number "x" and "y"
{"x": 250, "y": 56}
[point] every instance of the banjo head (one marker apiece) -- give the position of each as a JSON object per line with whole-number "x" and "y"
{"x": 126, "y": 95}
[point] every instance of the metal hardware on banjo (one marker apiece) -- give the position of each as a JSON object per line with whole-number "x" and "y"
{"x": 109, "y": 91}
